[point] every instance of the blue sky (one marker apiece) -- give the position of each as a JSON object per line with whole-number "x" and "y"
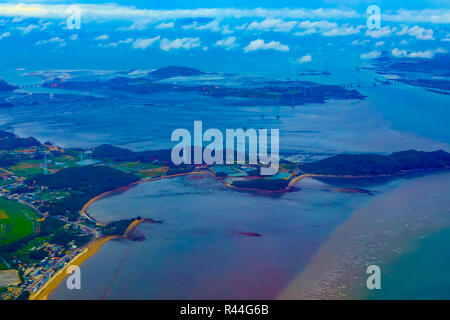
{"x": 260, "y": 37}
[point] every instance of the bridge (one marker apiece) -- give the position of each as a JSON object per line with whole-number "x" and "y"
{"x": 30, "y": 86}
{"x": 374, "y": 83}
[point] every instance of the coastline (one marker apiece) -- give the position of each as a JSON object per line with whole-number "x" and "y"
{"x": 90, "y": 250}
{"x": 327, "y": 254}
{"x": 124, "y": 188}
{"x": 379, "y": 233}
{"x": 92, "y": 247}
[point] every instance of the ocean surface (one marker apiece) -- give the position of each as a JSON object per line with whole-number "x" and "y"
{"x": 422, "y": 273}
{"x": 403, "y": 231}
{"x": 201, "y": 251}
{"x": 389, "y": 119}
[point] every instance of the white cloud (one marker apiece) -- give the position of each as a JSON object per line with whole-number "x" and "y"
{"x": 226, "y": 29}
{"x": 109, "y": 45}
{"x": 128, "y": 40}
{"x": 58, "y": 40}
{"x": 371, "y": 55}
{"x": 404, "y": 42}
{"x": 428, "y": 54}
{"x": 144, "y": 43}
{"x": 323, "y": 24}
{"x": 380, "y": 33}
{"x": 168, "y": 25}
{"x": 183, "y": 43}
{"x": 305, "y": 33}
{"x": 359, "y": 43}
{"x": 136, "y": 26}
{"x": 379, "y": 44}
{"x": 211, "y": 26}
{"x": 26, "y": 30}
{"x": 277, "y": 25}
{"x": 4, "y": 35}
{"x": 241, "y": 27}
{"x": 326, "y": 28}
{"x": 305, "y": 59}
{"x": 342, "y": 31}
{"x": 104, "y": 12}
{"x": 436, "y": 16}
{"x": 447, "y": 37}
{"x": 417, "y": 32}
{"x": 44, "y": 25}
{"x": 227, "y": 43}
{"x": 74, "y": 37}
{"x": 259, "y": 44}
{"x": 102, "y": 37}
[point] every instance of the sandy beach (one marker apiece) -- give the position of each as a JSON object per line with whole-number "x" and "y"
{"x": 90, "y": 250}
{"x": 53, "y": 282}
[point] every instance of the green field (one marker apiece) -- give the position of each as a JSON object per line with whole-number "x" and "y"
{"x": 143, "y": 170}
{"x": 15, "y": 221}
{"x": 27, "y": 168}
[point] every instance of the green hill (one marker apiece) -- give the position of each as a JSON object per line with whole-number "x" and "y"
{"x": 374, "y": 164}
{"x": 83, "y": 183}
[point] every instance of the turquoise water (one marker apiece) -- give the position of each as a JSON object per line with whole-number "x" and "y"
{"x": 401, "y": 232}
{"x": 423, "y": 273}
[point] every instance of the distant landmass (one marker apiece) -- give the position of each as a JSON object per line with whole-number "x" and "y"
{"x": 374, "y": 164}
{"x": 431, "y": 74}
{"x": 315, "y": 73}
{"x": 261, "y": 92}
{"x": 9, "y": 141}
{"x": 4, "y": 86}
{"x": 86, "y": 182}
{"x": 174, "y": 71}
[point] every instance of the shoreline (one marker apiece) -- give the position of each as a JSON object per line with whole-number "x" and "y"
{"x": 92, "y": 247}
{"x": 90, "y": 250}
{"x": 288, "y": 188}
{"x": 378, "y": 233}
{"x": 124, "y": 188}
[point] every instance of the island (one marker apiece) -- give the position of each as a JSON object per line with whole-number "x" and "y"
{"x": 46, "y": 190}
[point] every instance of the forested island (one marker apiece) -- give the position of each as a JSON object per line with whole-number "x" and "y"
{"x": 374, "y": 164}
